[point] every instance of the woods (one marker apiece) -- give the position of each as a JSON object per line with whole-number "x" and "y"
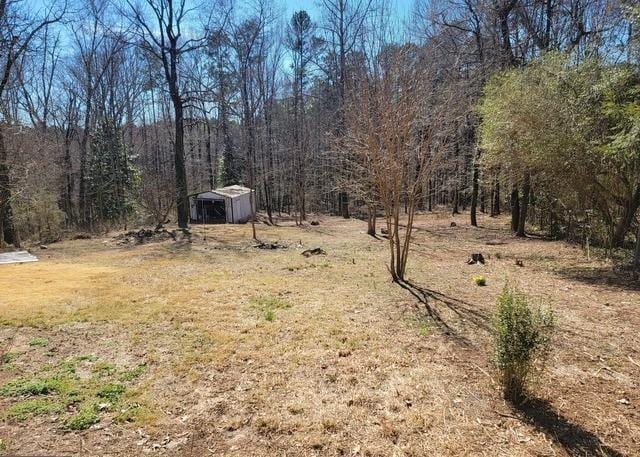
{"x": 132, "y": 106}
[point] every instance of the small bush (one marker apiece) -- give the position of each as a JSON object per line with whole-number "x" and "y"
{"x": 522, "y": 336}
{"x": 83, "y": 419}
{"x": 268, "y": 306}
{"x": 480, "y": 280}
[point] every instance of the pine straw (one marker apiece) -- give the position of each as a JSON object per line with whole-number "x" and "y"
{"x": 351, "y": 364}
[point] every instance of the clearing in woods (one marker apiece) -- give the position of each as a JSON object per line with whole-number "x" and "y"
{"x": 216, "y": 347}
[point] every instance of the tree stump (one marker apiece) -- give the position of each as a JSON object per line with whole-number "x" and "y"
{"x": 475, "y": 259}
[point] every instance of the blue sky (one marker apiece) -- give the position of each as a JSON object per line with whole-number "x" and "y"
{"x": 402, "y": 7}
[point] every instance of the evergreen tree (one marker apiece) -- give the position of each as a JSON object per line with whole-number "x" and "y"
{"x": 112, "y": 177}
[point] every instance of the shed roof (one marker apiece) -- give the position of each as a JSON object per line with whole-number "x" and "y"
{"x": 228, "y": 191}
{"x": 232, "y": 191}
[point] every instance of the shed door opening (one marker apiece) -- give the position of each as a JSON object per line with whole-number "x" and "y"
{"x": 211, "y": 211}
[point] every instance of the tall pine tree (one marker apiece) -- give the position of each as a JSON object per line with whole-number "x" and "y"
{"x": 111, "y": 177}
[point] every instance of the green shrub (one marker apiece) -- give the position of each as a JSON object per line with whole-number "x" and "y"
{"x": 522, "y": 334}
{"x": 480, "y": 280}
{"x": 83, "y": 419}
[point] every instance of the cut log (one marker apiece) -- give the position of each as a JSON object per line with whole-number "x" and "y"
{"x": 315, "y": 251}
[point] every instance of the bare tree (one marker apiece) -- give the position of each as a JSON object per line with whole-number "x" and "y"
{"x": 160, "y": 27}
{"x": 396, "y": 122}
{"x": 18, "y": 29}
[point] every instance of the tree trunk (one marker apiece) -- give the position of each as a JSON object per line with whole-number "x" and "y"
{"x": 474, "y": 190}
{"x": 515, "y": 209}
{"x": 624, "y": 224}
{"x": 182, "y": 199}
{"x": 636, "y": 251}
{"x": 67, "y": 201}
{"x": 8, "y": 233}
{"x": 343, "y": 198}
{"x": 207, "y": 146}
{"x": 524, "y": 205}
{"x": 371, "y": 220}
{"x": 456, "y": 202}
{"x": 495, "y": 198}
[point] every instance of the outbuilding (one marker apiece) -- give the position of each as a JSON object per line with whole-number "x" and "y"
{"x": 231, "y": 205}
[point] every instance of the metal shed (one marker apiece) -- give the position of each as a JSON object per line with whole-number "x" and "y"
{"x": 231, "y": 205}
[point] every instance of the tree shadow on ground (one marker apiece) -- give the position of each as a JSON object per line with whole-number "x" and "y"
{"x": 601, "y": 277}
{"x": 575, "y": 440}
{"x": 430, "y": 299}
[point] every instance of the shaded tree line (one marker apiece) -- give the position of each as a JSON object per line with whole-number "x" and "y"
{"x": 114, "y": 111}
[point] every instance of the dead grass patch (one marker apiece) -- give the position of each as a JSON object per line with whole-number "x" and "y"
{"x": 351, "y": 364}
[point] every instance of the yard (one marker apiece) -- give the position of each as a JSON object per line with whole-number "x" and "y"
{"x": 216, "y": 347}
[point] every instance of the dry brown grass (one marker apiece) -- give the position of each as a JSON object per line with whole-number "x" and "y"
{"x": 347, "y": 364}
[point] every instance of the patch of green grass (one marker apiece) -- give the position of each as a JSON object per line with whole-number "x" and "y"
{"x": 68, "y": 367}
{"x": 23, "y": 410}
{"x": 270, "y": 302}
{"x": 41, "y": 342}
{"x": 83, "y": 419}
{"x": 104, "y": 369}
{"x": 111, "y": 391}
{"x": 135, "y": 412}
{"x": 36, "y": 386}
{"x": 91, "y": 397}
{"x": 131, "y": 375}
{"x": 424, "y": 329}
{"x": 480, "y": 280}
{"x": 267, "y": 306}
{"x": 86, "y": 358}
{"x": 9, "y": 357}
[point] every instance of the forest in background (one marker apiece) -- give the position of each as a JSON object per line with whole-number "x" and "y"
{"x": 113, "y": 112}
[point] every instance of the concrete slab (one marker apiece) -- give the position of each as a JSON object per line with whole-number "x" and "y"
{"x": 16, "y": 257}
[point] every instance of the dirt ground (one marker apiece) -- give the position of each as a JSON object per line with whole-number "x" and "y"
{"x": 216, "y": 347}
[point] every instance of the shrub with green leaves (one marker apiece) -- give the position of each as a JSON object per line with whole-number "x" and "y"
{"x": 522, "y": 333}
{"x": 83, "y": 419}
{"x": 480, "y": 280}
